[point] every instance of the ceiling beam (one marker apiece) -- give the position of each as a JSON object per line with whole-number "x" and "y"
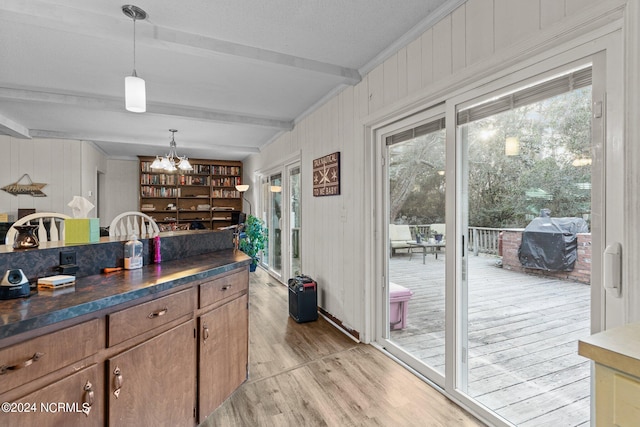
{"x": 12, "y": 128}
{"x": 86, "y": 23}
{"x": 158, "y": 109}
{"x": 97, "y": 139}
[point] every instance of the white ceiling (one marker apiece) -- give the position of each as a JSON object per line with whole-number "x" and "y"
{"x": 230, "y": 75}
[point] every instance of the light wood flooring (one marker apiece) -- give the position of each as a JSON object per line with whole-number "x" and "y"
{"x": 522, "y": 332}
{"x": 311, "y": 374}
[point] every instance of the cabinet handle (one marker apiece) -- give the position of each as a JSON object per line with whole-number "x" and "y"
{"x": 226, "y": 287}
{"x": 117, "y": 382}
{"x": 205, "y": 333}
{"x": 4, "y": 369}
{"x": 88, "y": 398}
{"x": 158, "y": 313}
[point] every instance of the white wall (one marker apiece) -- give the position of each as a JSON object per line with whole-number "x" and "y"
{"x": 121, "y": 186}
{"x": 92, "y": 162}
{"x": 54, "y": 162}
{"x": 477, "y": 37}
{"x": 69, "y": 168}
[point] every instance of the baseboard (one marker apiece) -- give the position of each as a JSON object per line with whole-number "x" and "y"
{"x": 351, "y": 333}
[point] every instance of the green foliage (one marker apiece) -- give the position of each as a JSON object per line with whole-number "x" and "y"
{"x": 255, "y": 236}
{"x": 501, "y": 190}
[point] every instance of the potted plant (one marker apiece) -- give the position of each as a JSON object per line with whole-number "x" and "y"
{"x": 252, "y": 239}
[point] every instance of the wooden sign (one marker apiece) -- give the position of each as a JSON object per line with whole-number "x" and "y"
{"x": 326, "y": 175}
{"x": 30, "y": 188}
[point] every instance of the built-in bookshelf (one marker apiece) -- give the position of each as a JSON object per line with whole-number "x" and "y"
{"x": 206, "y": 195}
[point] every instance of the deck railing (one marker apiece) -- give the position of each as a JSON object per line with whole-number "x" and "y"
{"x": 480, "y": 240}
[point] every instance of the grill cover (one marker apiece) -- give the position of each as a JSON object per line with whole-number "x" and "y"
{"x": 551, "y": 243}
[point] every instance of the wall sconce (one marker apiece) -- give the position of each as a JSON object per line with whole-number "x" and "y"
{"x": 512, "y": 147}
{"x": 275, "y": 189}
{"x": 242, "y": 188}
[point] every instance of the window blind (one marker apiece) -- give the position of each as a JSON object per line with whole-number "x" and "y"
{"x": 529, "y": 95}
{"x": 423, "y": 129}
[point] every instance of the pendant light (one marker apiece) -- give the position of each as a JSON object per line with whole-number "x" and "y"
{"x": 134, "y": 86}
{"x": 172, "y": 162}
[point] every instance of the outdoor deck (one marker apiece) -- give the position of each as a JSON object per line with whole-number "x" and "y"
{"x": 523, "y": 332}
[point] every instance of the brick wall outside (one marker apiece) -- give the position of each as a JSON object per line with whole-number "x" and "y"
{"x": 511, "y": 240}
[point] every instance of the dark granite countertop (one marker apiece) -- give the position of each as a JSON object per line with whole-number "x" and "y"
{"x": 98, "y": 292}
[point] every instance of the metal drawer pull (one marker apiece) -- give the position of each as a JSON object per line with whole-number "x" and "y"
{"x": 117, "y": 382}
{"x": 226, "y": 287}
{"x": 88, "y": 398}
{"x": 205, "y": 333}
{"x": 158, "y": 313}
{"x": 4, "y": 369}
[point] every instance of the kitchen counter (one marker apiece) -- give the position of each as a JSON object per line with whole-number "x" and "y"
{"x": 99, "y": 292}
{"x": 616, "y": 353}
{"x": 617, "y": 348}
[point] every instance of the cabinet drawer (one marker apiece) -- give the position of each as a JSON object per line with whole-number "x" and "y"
{"x": 36, "y": 357}
{"x": 144, "y": 317}
{"x": 224, "y": 287}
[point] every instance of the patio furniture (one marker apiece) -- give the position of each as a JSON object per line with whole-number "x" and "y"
{"x": 399, "y": 297}
{"x": 433, "y": 248}
{"x": 400, "y": 237}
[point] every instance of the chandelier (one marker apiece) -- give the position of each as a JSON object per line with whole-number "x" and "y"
{"x": 172, "y": 162}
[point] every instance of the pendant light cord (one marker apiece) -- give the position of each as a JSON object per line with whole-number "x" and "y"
{"x": 134, "y": 47}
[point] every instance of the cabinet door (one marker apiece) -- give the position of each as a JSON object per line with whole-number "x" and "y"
{"x": 224, "y": 341}
{"x": 153, "y": 384}
{"x": 77, "y": 400}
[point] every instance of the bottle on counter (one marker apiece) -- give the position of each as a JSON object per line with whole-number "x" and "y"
{"x": 133, "y": 253}
{"x": 157, "y": 253}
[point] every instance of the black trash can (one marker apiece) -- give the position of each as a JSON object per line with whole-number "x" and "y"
{"x": 303, "y": 299}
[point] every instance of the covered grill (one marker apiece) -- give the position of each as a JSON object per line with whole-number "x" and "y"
{"x": 551, "y": 243}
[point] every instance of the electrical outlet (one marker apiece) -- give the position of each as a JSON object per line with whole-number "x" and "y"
{"x": 67, "y": 257}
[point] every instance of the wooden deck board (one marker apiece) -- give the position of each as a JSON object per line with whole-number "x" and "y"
{"x": 522, "y": 337}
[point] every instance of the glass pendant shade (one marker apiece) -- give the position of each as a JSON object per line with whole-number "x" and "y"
{"x": 135, "y": 94}
{"x": 157, "y": 163}
{"x": 185, "y": 165}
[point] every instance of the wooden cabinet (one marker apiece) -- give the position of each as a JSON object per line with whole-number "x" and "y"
{"x": 154, "y": 383}
{"x": 223, "y": 353}
{"x": 206, "y": 195}
{"x": 76, "y": 400}
{"x": 133, "y": 321}
{"x": 138, "y": 365}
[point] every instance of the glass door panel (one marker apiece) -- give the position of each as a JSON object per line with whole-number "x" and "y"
{"x": 416, "y": 212}
{"x": 274, "y": 224}
{"x": 295, "y": 256}
{"x": 526, "y": 200}
{"x": 265, "y": 206}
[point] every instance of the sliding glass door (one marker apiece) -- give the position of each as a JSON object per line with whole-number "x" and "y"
{"x": 493, "y": 231}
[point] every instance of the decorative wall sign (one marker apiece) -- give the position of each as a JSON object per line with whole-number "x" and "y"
{"x": 326, "y": 175}
{"x": 28, "y": 188}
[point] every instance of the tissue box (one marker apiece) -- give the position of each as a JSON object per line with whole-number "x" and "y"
{"x": 82, "y": 230}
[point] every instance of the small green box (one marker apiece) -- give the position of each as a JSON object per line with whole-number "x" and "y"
{"x": 82, "y": 230}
